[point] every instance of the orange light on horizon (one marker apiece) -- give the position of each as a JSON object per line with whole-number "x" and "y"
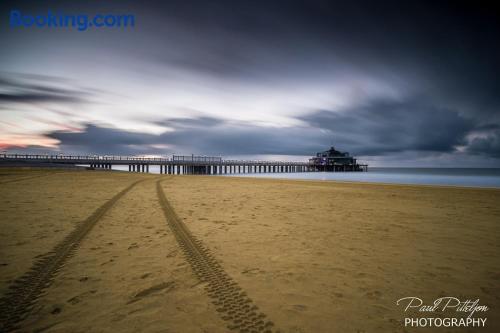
{"x": 25, "y": 141}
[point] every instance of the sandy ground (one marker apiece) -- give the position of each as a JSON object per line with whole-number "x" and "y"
{"x": 314, "y": 256}
{"x": 39, "y": 207}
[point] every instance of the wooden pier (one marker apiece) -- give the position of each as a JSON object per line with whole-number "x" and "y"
{"x": 177, "y": 165}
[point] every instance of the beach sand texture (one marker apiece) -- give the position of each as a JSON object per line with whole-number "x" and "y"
{"x": 313, "y": 256}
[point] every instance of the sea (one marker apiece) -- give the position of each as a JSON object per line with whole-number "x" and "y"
{"x": 469, "y": 177}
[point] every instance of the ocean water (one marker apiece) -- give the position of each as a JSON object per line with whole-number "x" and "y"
{"x": 471, "y": 177}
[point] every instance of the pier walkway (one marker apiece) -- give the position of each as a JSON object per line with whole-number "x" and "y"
{"x": 190, "y": 164}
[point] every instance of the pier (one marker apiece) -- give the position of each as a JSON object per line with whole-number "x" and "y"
{"x": 177, "y": 165}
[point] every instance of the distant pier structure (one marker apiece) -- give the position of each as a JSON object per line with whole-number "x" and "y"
{"x": 190, "y": 164}
{"x": 333, "y": 160}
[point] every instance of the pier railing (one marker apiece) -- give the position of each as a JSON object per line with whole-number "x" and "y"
{"x": 81, "y": 157}
{"x": 117, "y": 159}
{"x": 179, "y": 164}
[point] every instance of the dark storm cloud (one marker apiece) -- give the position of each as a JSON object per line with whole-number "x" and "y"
{"x": 448, "y": 49}
{"x": 101, "y": 140}
{"x": 30, "y": 89}
{"x": 199, "y": 122}
{"x": 246, "y": 139}
{"x": 446, "y": 52}
{"x": 387, "y": 126}
{"x": 378, "y": 128}
{"x": 202, "y": 135}
{"x": 488, "y": 144}
{"x": 21, "y": 97}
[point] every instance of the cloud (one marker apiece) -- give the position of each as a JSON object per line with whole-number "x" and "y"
{"x": 487, "y": 144}
{"x": 34, "y": 89}
{"x": 389, "y": 126}
{"x": 376, "y": 128}
{"x": 102, "y": 140}
{"x": 203, "y": 135}
{"x": 397, "y": 129}
{"x": 187, "y": 123}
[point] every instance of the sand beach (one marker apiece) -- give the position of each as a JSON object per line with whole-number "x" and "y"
{"x": 229, "y": 254}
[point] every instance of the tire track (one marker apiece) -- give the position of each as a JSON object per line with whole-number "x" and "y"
{"x": 231, "y": 301}
{"x": 17, "y": 303}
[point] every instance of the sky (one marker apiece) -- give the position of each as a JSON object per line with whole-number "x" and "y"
{"x": 393, "y": 83}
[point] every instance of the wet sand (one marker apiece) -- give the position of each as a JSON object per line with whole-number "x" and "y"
{"x": 313, "y": 256}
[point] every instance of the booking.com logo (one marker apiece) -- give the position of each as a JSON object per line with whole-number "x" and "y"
{"x": 81, "y": 22}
